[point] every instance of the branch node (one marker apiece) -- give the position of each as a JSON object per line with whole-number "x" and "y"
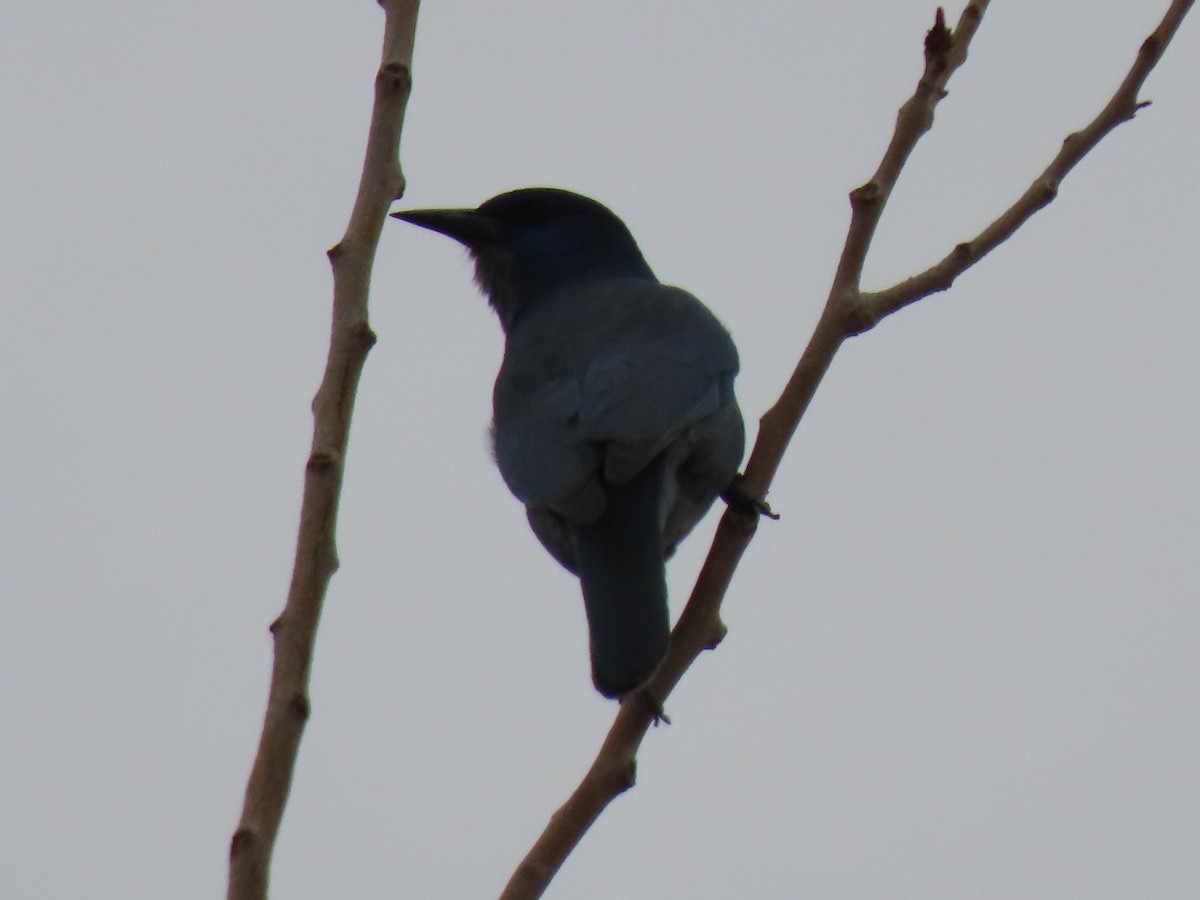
{"x": 939, "y": 41}
{"x": 718, "y": 633}
{"x": 299, "y": 708}
{"x": 865, "y": 195}
{"x": 943, "y": 274}
{"x": 323, "y": 461}
{"x": 394, "y": 76}
{"x": 854, "y": 316}
{"x": 626, "y": 774}
{"x": 364, "y": 336}
{"x": 243, "y": 842}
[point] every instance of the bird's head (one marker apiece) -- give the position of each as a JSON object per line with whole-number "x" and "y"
{"x": 534, "y": 240}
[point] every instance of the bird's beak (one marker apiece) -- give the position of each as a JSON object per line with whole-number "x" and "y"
{"x": 466, "y": 226}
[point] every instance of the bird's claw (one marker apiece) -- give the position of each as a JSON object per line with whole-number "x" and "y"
{"x": 743, "y": 501}
{"x": 655, "y": 705}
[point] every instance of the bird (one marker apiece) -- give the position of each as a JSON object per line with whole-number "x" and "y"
{"x": 614, "y": 416}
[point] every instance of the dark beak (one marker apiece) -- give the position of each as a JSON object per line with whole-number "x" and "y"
{"x": 466, "y": 226}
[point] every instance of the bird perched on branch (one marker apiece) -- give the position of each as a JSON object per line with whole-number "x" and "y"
{"x": 615, "y": 421}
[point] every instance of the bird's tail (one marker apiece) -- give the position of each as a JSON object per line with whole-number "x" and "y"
{"x": 620, "y": 565}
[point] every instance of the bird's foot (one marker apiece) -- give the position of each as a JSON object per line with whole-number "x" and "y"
{"x": 743, "y": 501}
{"x": 643, "y": 695}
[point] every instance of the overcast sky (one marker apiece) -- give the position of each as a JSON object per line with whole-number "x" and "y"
{"x": 962, "y": 665}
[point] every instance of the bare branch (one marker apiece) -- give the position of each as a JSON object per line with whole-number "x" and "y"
{"x": 316, "y": 553}
{"x": 844, "y": 315}
{"x": 1123, "y": 106}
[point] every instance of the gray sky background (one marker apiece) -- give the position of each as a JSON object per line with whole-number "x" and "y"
{"x": 964, "y": 662}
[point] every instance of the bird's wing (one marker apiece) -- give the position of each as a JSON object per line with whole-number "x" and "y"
{"x": 600, "y": 384}
{"x": 666, "y": 371}
{"x": 544, "y": 460}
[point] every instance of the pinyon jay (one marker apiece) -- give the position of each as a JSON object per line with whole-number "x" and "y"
{"x": 615, "y": 421}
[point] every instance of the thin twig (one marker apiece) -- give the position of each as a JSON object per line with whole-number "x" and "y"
{"x": 1123, "y": 106}
{"x": 316, "y": 552}
{"x": 843, "y": 315}
{"x": 847, "y": 312}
